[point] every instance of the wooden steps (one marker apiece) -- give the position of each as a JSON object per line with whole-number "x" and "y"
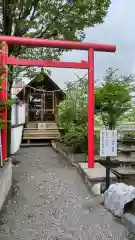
{"x": 31, "y": 125}
{"x": 49, "y": 125}
{"x": 43, "y": 135}
{"x": 39, "y": 131}
{"x": 50, "y": 131}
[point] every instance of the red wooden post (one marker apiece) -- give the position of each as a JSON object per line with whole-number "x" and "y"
{"x": 91, "y": 107}
{"x": 3, "y": 94}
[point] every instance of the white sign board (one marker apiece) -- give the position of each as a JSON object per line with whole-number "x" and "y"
{"x": 108, "y": 143}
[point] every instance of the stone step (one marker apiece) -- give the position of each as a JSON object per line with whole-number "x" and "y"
{"x": 125, "y": 159}
{"x": 132, "y": 155}
{"x": 127, "y": 149}
{"x": 124, "y": 171}
{"x": 125, "y": 175}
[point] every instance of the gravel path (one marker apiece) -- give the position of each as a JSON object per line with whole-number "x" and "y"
{"x": 50, "y": 202}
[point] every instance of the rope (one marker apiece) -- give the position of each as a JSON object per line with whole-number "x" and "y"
{"x": 42, "y": 90}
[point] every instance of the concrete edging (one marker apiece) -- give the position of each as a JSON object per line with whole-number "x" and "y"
{"x": 5, "y": 181}
{"x": 128, "y": 220}
{"x": 69, "y": 156}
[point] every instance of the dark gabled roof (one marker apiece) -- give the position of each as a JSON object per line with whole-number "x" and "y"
{"x": 46, "y": 83}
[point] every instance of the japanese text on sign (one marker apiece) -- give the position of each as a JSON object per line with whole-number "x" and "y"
{"x": 108, "y": 143}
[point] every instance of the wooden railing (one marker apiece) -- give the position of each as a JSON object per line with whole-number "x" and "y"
{"x": 57, "y": 114}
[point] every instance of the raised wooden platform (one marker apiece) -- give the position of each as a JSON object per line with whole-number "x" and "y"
{"x": 49, "y": 131}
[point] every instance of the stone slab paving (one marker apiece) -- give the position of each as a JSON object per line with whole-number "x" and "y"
{"x": 50, "y": 202}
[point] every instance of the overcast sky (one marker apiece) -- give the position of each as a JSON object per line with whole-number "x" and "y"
{"x": 118, "y": 29}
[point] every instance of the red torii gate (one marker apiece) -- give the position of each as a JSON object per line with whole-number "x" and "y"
{"x": 35, "y": 42}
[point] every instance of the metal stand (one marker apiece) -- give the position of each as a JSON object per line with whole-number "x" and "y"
{"x": 107, "y": 172}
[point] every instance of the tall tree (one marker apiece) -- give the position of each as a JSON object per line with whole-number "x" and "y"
{"x": 50, "y": 19}
{"x": 113, "y": 98}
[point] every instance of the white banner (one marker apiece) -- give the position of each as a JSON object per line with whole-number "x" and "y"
{"x": 108, "y": 143}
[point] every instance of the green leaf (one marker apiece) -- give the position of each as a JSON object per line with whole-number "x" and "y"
{"x": 112, "y": 99}
{"x": 49, "y": 19}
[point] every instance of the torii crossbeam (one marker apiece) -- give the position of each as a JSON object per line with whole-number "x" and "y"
{"x": 89, "y": 65}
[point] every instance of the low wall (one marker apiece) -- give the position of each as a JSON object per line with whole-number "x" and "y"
{"x": 5, "y": 181}
{"x": 73, "y": 158}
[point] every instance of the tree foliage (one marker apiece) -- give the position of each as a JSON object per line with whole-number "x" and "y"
{"x": 50, "y": 19}
{"x": 74, "y": 115}
{"x": 113, "y": 99}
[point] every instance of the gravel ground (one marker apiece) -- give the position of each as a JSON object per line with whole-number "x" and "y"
{"x": 50, "y": 202}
